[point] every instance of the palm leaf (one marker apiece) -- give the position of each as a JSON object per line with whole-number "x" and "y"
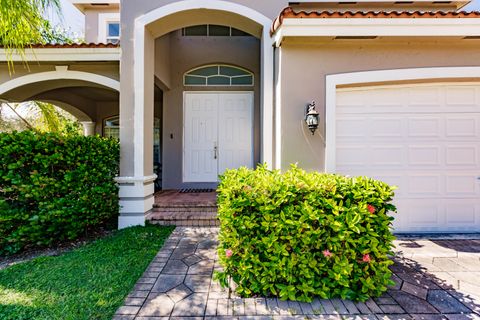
{"x": 22, "y": 24}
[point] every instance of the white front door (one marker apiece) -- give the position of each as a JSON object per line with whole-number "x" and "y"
{"x": 423, "y": 139}
{"x": 218, "y": 134}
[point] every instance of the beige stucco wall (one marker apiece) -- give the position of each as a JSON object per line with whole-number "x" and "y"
{"x": 308, "y": 62}
{"x": 187, "y": 53}
{"x": 91, "y": 23}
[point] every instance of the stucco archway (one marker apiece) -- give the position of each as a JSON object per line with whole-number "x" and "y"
{"x": 61, "y": 73}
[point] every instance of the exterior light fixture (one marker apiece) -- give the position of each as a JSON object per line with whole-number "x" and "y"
{"x": 312, "y": 117}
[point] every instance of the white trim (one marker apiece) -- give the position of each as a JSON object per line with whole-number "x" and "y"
{"x": 333, "y": 27}
{"x": 357, "y": 78}
{"x": 63, "y": 54}
{"x": 63, "y": 73}
{"x": 278, "y": 113}
{"x": 103, "y": 19}
{"x": 267, "y": 80}
{"x": 185, "y": 93}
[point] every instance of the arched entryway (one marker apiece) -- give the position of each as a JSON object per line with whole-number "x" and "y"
{"x": 85, "y": 95}
{"x": 161, "y": 60}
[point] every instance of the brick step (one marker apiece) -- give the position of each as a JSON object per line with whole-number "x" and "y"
{"x": 168, "y": 209}
{"x": 184, "y": 218}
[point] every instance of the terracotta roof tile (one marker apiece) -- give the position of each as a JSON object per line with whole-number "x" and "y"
{"x": 74, "y": 45}
{"x": 289, "y": 13}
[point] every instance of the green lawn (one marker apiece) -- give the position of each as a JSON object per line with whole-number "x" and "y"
{"x": 87, "y": 283}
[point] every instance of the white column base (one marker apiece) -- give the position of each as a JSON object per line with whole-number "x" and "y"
{"x": 88, "y": 128}
{"x": 136, "y": 200}
{"x": 130, "y": 221}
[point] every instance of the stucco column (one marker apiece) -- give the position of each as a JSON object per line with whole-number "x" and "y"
{"x": 136, "y": 179}
{"x": 88, "y": 128}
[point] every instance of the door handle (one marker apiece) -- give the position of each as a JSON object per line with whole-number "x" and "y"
{"x": 215, "y": 151}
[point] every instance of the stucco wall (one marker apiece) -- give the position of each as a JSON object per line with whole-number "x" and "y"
{"x": 308, "y": 62}
{"x": 187, "y": 53}
{"x": 91, "y": 23}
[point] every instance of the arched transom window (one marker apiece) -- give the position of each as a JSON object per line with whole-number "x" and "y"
{"x": 218, "y": 75}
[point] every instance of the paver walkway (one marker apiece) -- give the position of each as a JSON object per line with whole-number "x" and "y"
{"x": 435, "y": 279}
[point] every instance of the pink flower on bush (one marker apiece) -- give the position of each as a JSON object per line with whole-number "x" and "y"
{"x": 371, "y": 209}
{"x": 228, "y": 253}
{"x": 327, "y": 253}
{"x": 366, "y": 258}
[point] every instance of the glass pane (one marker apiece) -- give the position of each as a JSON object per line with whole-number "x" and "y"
{"x": 219, "y": 31}
{"x": 113, "y": 40}
{"x": 205, "y": 72}
{"x": 196, "y": 30}
{"x": 242, "y": 81}
{"x": 195, "y": 81}
{"x": 218, "y": 81}
{"x": 232, "y": 71}
{"x": 113, "y": 29}
{"x": 112, "y": 133}
{"x": 239, "y": 33}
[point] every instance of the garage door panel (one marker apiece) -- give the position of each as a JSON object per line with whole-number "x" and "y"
{"x": 424, "y": 96}
{"x": 461, "y": 96}
{"x": 423, "y": 140}
{"x": 425, "y": 185}
{"x": 462, "y": 213}
{"x": 462, "y": 127}
{"x": 349, "y": 126}
{"x": 461, "y": 185}
{"x": 462, "y": 155}
{"x": 385, "y": 155}
{"x": 424, "y": 155}
{"x": 424, "y": 127}
{"x": 382, "y": 127}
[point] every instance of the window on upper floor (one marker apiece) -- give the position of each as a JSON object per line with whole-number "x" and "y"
{"x": 109, "y": 27}
{"x": 212, "y": 30}
{"x": 113, "y": 32}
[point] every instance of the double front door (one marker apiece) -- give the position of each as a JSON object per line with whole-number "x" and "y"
{"x": 218, "y": 134}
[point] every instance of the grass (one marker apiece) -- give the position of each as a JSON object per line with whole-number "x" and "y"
{"x": 87, "y": 283}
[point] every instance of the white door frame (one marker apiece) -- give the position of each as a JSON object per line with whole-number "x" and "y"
{"x": 185, "y": 93}
{"x": 377, "y": 77}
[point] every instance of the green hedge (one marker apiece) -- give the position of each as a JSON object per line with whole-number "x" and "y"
{"x": 299, "y": 235}
{"x": 54, "y": 188}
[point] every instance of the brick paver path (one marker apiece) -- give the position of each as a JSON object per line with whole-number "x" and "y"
{"x": 437, "y": 279}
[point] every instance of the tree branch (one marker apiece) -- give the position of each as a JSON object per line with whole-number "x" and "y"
{"x": 19, "y": 116}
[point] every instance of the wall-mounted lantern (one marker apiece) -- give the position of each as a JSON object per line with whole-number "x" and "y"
{"x": 312, "y": 117}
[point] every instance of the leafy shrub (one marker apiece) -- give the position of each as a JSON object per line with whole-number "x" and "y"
{"x": 54, "y": 187}
{"x": 299, "y": 235}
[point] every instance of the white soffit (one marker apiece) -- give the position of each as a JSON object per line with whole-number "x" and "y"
{"x": 380, "y": 27}
{"x": 63, "y": 54}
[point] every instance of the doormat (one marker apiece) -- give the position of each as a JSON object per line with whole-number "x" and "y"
{"x": 196, "y": 190}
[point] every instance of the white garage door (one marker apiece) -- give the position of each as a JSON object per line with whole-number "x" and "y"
{"x": 423, "y": 138}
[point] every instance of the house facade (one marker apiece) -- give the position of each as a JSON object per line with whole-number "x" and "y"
{"x": 194, "y": 87}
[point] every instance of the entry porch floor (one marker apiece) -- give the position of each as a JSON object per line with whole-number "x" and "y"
{"x": 192, "y": 209}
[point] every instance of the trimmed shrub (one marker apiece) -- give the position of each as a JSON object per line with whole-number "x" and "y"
{"x": 299, "y": 235}
{"x": 54, "y": 188}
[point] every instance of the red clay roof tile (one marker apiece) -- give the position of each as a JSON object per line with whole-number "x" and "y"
{"x": 289, "y": 13}
{"x": 73, "y": 45}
